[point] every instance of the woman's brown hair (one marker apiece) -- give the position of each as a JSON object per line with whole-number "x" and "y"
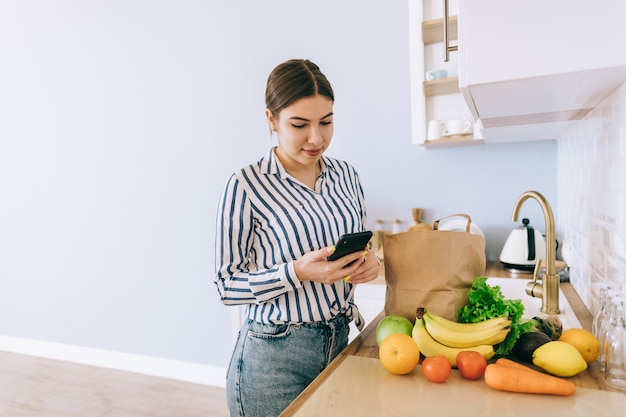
{"x": 292, "y": 80}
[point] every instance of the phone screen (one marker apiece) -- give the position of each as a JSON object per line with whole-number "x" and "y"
{"x": 350, "y": 243}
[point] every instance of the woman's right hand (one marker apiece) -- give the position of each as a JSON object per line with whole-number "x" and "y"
{"x": 314, "y": 266}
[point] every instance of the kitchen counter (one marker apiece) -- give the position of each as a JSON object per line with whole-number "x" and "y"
{"x": 364, "y": 346}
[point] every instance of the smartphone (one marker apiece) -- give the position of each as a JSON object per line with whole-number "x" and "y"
{"x": 350, "y": 243}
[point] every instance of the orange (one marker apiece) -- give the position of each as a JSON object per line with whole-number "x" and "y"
{"x": 399, "y": 353}
{"x": 584, "y": 341}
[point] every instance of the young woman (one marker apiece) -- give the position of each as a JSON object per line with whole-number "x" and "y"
{"x": 277, "y": 222}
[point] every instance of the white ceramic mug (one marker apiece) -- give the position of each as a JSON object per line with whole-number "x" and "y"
{"x": 457, "y": 127}
{"x": 478, "y": 129}
{"x": 435, "y": 129}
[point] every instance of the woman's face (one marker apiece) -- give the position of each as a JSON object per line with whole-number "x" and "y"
{"x": 304, "y": 129}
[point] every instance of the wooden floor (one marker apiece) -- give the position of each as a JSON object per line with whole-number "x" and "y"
{"x": 33, "y": 386}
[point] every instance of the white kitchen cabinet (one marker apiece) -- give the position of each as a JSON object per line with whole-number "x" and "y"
{"x": 530, "y": 69}
{"x": 438, "y": 99}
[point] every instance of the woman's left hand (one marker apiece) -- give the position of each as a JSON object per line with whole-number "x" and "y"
{"x": 314, "y": 266}
{"x": 367, "y": 270}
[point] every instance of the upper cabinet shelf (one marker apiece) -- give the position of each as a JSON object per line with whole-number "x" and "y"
{"x": 442, "y": 86}
{"x": 440, "y": 99}
{"x": 432, "y": 30}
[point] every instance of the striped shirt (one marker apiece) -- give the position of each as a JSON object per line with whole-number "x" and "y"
{"x": 266, "y": 220}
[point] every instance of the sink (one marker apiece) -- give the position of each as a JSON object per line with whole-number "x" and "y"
{"x": 515, "y": 288}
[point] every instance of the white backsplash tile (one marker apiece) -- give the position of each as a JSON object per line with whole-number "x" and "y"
{"x": 591, "y": 159}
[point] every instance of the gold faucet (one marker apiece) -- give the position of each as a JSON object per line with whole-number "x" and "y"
{"x": 548, "y": 289}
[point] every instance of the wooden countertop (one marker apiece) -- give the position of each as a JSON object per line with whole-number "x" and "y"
{"x": 365, "y": 344}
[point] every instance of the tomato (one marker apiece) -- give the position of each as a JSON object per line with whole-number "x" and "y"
{"x": 437, "y": 368}
{"x": 471, "y": 364}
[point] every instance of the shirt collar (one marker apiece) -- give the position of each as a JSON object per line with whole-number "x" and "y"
{"x": 270, "y": 165}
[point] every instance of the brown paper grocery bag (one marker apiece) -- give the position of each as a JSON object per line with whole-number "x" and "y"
{"x": 433, "y": 269}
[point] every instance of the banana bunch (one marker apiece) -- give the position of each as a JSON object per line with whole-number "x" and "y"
{"x": 479, "y": 337}
{"x": 464, "y": 335}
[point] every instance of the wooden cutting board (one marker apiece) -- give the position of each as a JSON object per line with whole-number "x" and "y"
{"x": 362, "y": 387}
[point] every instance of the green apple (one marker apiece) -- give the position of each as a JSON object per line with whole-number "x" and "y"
{"x": 393, "y": 324}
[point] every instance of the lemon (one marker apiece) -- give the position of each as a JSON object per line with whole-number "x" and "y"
{"x": 559, "y": 358}
{"x": 587, "y": 344}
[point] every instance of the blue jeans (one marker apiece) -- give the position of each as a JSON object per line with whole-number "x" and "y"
{"x": 271, "y": 365}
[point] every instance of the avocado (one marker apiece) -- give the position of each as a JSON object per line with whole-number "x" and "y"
{"x": 527, "y": 343}
{"x": 550, "y": 325}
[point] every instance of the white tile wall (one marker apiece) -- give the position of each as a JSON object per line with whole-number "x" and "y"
{"x": 591, "y": 186}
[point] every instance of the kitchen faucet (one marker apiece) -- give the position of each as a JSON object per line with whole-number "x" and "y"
{"x": 548, "y": 289}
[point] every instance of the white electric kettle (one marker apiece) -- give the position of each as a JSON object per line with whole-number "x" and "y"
{"x": 523, "y": 247}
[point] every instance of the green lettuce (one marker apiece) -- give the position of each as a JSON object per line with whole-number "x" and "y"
{"x": 487, "y": 302}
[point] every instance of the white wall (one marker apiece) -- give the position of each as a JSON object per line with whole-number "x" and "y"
{"x": 592, "y": 198}
{"x": 121, "y": 120}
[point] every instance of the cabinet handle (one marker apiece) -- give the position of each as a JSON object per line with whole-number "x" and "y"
{"x": 447, "y": 48}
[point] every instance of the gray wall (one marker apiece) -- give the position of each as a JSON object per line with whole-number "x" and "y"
{"x": 121, "y": 120}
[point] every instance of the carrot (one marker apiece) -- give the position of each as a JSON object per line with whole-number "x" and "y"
{"x": 514, "y": 377}
{"x": 512, "y": 364}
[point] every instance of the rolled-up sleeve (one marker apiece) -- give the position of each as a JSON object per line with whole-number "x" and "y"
{"x": 238, "y": 279}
